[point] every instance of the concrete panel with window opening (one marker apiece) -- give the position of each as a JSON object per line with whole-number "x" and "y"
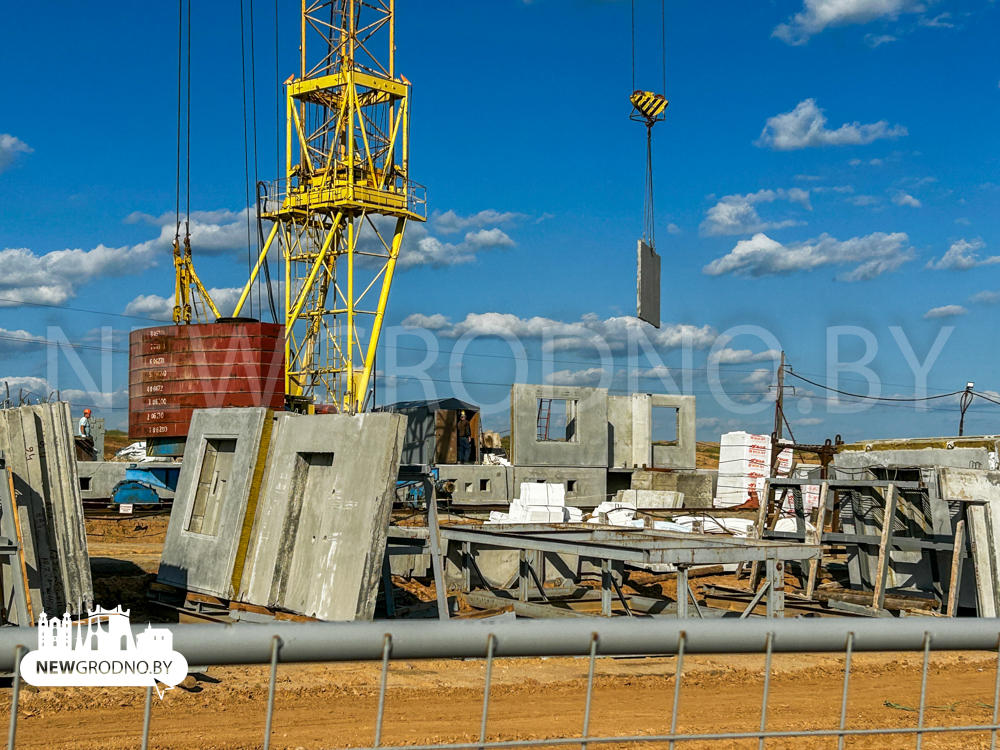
{"x": 673, "y": 433}
{"x": 318, "y": 539}
{"x": 215, "y": 481}
{"x": 559, "y": 426}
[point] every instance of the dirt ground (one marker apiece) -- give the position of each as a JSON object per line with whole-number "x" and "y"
{"x": 334, "y": 706}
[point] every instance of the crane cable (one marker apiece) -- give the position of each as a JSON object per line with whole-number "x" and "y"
{"x": 246, "y": 147}
{"x": 258, "y": 185}
{"x": 184, "y": 117}
{"x": 648, "y": 212}
{"x": 183, "y": 107}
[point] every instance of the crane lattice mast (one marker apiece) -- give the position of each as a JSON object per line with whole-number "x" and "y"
{"x": 346, "y": 189}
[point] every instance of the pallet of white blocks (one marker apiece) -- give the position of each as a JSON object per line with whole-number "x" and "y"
{"x": 539, "y": 502}
{"x": 37, "y": 445}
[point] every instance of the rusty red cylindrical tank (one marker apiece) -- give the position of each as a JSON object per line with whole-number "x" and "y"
{"x": 174, "y": 370}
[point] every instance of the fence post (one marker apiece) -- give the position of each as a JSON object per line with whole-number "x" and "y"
{"x": 272, "y": 684}
{"x": 15, "y": 695}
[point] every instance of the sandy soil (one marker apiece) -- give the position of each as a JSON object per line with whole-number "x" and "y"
{"x": 334, "y": 706}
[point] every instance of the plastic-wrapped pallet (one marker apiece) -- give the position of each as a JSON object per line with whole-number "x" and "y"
{"x": 744, "y": 465}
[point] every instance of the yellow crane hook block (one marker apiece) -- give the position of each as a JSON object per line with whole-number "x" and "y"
{"x": 649, "y": 105}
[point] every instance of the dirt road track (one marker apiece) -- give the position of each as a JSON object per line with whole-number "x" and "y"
{"x": 334, "y": 706}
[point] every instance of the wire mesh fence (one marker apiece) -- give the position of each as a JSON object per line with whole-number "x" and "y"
{"x": 482, "y": 644}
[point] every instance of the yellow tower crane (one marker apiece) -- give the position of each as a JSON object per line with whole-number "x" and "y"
{"x": 346, "y": 188}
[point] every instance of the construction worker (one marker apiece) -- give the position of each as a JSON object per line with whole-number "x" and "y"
{"x": 84, "y": 429}
{"x": 464, "y": 438}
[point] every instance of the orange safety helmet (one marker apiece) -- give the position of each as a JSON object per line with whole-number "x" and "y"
{"x": 86, "y": 412}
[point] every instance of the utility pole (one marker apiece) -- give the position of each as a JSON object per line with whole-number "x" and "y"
{"x": 779, "y": 401}
{"x": 964, "y": 404}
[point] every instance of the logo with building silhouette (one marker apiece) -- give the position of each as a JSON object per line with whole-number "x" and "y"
{"x": 100, "y": 650}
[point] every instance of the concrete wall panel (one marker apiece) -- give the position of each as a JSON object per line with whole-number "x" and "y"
{"x": 479, "y": 484}
{"x": 321, "y": 522}
{"x": 588, "y": 445}
{"x": 682, "y": 455}
{"x": 37, "y": 444}
{"x": 585, "y": 487}
{"x": 620, "y": 432}
{"x": 648, "y": 285}
{"x": 201, "y": 558}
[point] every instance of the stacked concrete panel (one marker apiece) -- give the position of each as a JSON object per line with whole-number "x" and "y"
{"x": 695, "y": 487}
{"x": 174, "y": 370}
{"x": 224, "y": 458}
{"x": 319, "y": 536}
{"x": 37, "y": 445}
{"x": 285, "y": 511}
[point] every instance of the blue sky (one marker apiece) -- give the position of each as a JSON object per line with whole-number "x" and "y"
{"x": 823, "y": 163}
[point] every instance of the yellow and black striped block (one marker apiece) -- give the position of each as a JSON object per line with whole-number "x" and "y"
{"x": 648, "y": 104}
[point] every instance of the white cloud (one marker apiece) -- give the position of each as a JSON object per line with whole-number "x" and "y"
{"x": 54, "y": 277}
{"x": 805, "y": 127}
{"x": 14, "y": 341}
{"x": 817, "y": 15}
{"x": 874, "y": 254}
{"x": 582, "y": 334}
{"x": 428, "y": 250}
{"x": 948, "y": 311}
{"x": 673, "y": 228}
{"x": 10, "y": 147}
{"x": 905, "y": 199}
{"x": 154, "y": 307}
{"x": 939, "y": 22}
{"x": 34, "y": 387}
{"x": 435, "y": 322}
{"x": 808, "y": 177}
{"x": 807, "y": 422}
{"x": 864, "y": 200}
{"x": 962, "y": 256}
{"x": 985, "y": 298}
{"x": 590, "y": 377}
{"x": 877, "y": 40}
{"x": 216, "y": 232}
{"x": 450, "y": 222}
{"x": 736, "y": 214}
{"x": 761, "y": 379}
{"x": 727, "y": 356}
{"x": 963, "y": 221}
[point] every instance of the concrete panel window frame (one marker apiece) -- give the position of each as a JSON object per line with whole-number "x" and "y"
{"x": 557, "y": 420}
{"x": 681, "y": 452}
{"x": 589, "y": 428}
{"x": 215, "y": 473}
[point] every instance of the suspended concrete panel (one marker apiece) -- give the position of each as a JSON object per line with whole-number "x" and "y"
{"x": 648, "y": 285}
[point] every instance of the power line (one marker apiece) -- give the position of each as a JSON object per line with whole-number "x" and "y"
{"x": 871, "y": 398}
{"x": 77, "y": 309}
